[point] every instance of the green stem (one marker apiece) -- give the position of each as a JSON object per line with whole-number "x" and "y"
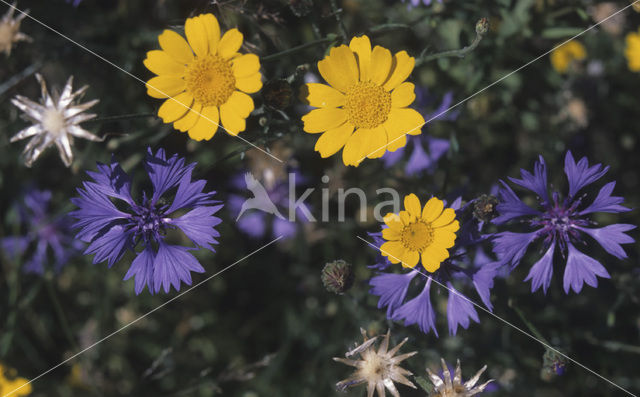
{"x": 14, "y": 80}
{"x": 62, "y": 318}
{"x": 337, "y": 12}
{"x": 529, "y": 325}
{"x": 293, "y": 50}
{"x": 121, "y": 117}
{"x": 481, "y": 29}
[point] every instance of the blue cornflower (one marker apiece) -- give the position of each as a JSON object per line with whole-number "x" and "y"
{"x": 44, "y": 231}
{"x": 112, "y": 230}
{"x": 394, "y": 289}
{"x": 415, "y": 3}
{"x": 561, "y": 224}
{"x": 427, "y": 150}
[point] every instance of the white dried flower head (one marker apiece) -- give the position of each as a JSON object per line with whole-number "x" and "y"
{"x": 378, "y": 368}
{"x": 447, "y": 387}
{"x": 55, "y": 120}
{"x": 10, "y": 30}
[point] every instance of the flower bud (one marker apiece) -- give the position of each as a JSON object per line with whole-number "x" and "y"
{"x": 337, "y": 276}
{"x": 553, "y": 364}
{"x": 482, "y": 26}
{"x": 277, "y": 94}
{"x": 484, "y": 208}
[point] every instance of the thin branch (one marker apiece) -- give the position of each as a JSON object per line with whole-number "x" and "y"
{"x": 482, "y": 27}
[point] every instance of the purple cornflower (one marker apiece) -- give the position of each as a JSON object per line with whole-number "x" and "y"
{"x": 269, "y": 213}
{"x": 561, "y": 224}
{"x": 112, "y": 230}
{"x": 421, "y": 159}
{"x": 44, "y": 231}
{"x": 394, "y": 288}
{"x": 416, "y": 3}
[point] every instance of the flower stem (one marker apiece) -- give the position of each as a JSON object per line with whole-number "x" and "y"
{"x": 121, "y": 117}
{"x": 481, "y": 30}
{"x": 15, "y": 80}
{"x": 526, "y": 322}
{"x": 337, "y": 12}
{"x": 329, "y": 38}
{"x": 62, "y": 318}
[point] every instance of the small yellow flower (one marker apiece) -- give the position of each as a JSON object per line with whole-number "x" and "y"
{"x": 10, "y": 30}
{"x": 632, "y": 51}
{"x": 420, "y": 233}
{"x": 366, "y": 93}
{"x": 11, "y": 383}
{"x": 205, "y": 78}
{"x": 636, "y": 6}
{"x": 563, "y": 56}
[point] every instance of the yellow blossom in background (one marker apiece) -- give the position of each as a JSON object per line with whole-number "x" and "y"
{"x": 11, "y": 383}
{"x": 205, "y": 78}
{"x": 10, "y": 30}
{"x": 563, "y": 56}
{"x": 420, "y": 234}
{"x": 636, "y": 6}
{"x": 363, "y": 109}
{"x": 632, "y": 51}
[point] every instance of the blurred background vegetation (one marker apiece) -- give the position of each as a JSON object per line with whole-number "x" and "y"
{"x": 268, "y": 327}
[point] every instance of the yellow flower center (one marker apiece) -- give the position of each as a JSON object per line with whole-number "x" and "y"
{"x": 210, "y": 80}
{"x": 367, "y": 104}
{"x": 417, "y": 236}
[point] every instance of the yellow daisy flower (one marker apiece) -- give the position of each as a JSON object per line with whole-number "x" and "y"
{"x": 11, "y": 383}
{"x": 563, "y": 56}
{"x": 420, "y": 233}
{"x": 366, "y": 94}
{"x": 632, "y": 51}
{"x": 205, "y": 78}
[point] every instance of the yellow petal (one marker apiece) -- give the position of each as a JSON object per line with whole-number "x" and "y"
{"x": 160, "y": 62}
{"x": 393, "y": 221}
{"x": 197, "y": 36}
{"x": 432, "y": 209}
{"x": 322, "y": 96}
{"x": 410, "y": 258}
{"x": 405, "y": 121}
{"x": 412, "y": 204}
{"x": 429, "y": 261}
{"x": 356, "y": 147}
{"x": 206, "y": 126}
{"x": 400, "y": 70}
{"x": 452, "y": 227}
{"x": 377, "y": 142}
{"x": 361, "y": 46}
{"x": 333, "y": 140}
{"x": 174, "y": 108}
{"x": 240, "y": 103}
{"x": 405, "y": 217}
{"x": 175, "y": 46}
{"x": 394, "y": 250}
{"x": 444, "y": 238}
{"x": 381, "y": 61}
{"x": 230, "y": 43}
{"x": 403, "y": 95}
{"x": 250, "y": 84}
{"x": 190, "y": 119}
{"x": 213, "y": 31}
{"x": 321, "y": 120}
{"x": 447, "y": 216}
{"x": 391, "y": 234}
{"x": 231, "y": 120}
{"x": 339, "y": 68}
{"x": 245, "y": 65}
{"x": 165, "y": 86}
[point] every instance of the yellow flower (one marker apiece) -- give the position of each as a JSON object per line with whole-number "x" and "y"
{"x": 636, "y": 6}
{"x": 205, "y": 78}
{"x": 563, "y": 56}
{"x": 420, "y": 233}
{"x": 366, "y": 93}
{"x": 632, "y": 51}
{"x": 11, "y": 383}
